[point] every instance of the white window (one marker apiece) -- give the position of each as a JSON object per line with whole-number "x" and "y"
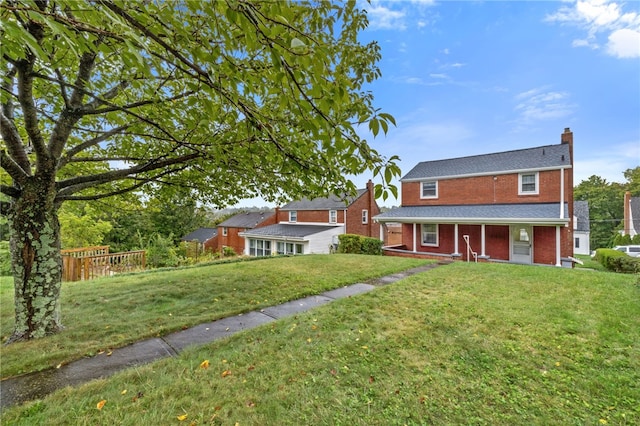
{"x": 528, "y": 183}
{"x": 429, "y": 189}
{"x": 365, "y": 216}
{"x": 430, "y": 234}
{"x": 293, "y": 216}
{"x": 259, "y": 248}
{"x": 333, "y": 216}
{"x": 224, "y": 231}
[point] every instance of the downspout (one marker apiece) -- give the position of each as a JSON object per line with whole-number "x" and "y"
{"x": 414, "y": 238}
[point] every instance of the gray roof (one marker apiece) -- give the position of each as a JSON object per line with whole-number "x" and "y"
{"x": 201, "y": 235}
{"x": 581, "y": 212}
{"x": 635, "y": 212}
{"x": 329, "y": 203}
{"x": 542, "y": 213}
{"x": 246, "y": 220}
{"x": 543, "y": 157}
{"x": 287, "y": 230}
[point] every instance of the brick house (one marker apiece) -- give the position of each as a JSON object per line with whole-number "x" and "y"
{"x": 206, "y": 239}
{"x": 229, "y": 230}
{"x": 312, "y": 226}
{"x": 514, "y": 206}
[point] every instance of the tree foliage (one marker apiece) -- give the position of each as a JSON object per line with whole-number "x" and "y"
{"x": 232, "y": 99}
{"x": 223, "y": 100}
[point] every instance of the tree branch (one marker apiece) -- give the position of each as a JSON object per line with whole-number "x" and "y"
{"x": 14, "y": 144}
{"x": 75, "y": 184}
{"x": 89, "y": 143}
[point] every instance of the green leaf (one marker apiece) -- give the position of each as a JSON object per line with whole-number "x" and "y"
{"x": 297, "y": 43}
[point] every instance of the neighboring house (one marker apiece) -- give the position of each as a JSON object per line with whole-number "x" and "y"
{"x": 581, "y": 227}
{"x": 313, "y": 226}
{"x": 207, "y": 238}
{"x": 229, "y": 230}
{"x": 514, "y": 206}
{"x": 631, "y": 221}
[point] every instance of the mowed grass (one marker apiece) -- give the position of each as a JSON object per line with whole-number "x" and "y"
{"x": 477, "y": 344}
{"x": 107, "y": 313}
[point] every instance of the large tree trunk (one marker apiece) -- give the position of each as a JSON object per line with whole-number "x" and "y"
{"x": 35, "y": 259}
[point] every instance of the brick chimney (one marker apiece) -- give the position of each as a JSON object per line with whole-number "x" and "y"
{"x": 627, "y": 214}
{"x": 567, "y": 137}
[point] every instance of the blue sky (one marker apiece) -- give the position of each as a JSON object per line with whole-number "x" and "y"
{"x": 473, "y": 77}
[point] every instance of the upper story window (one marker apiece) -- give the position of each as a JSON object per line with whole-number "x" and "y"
{"x": 365, "y": 216}
{"x": 293, "y": 216}
{"x": 528, "y": 183}
{"x": 333, "y": 216}
{"x": 225, "y": 231}
{"x": 429, "y": 189}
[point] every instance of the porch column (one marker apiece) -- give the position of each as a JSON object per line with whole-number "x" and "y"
{"x": 482, "y": 240}
{"x": 382, "y": 233}
{"x": 414, "y": 237}
{"x": 455, "y": 239}
{"x": 558, "y": 260}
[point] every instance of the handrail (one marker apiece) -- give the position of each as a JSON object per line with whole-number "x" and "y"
{"x": 469, "y": 250}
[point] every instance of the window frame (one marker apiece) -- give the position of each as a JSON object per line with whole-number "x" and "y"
{"x": 435, "y": 189}
{"x": 365, "y": 216}
{"x": 293, "y": 216}
{"x": 333, "y": 216}
{"x": 436, "y": 233}
{"x": 536, "y": 183}
{"x": 225, "y": 231}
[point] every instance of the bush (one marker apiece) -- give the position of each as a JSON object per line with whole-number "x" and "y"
{"x": 357, "y": 244}
{"x": 371, "y": 246}
{"x": 349, "y": 243}
{"x": 617, "y": 261}
{"x": 228, "y": 251}
{"x": 161, "y": 252}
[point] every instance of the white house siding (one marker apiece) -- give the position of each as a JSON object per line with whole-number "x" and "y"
{"x": 320, "y": 242}
{"x": 581, "y": 243}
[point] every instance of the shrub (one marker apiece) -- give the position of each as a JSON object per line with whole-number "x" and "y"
{"x": 161, "y": 252}
{"x": 349, "y": 243}
{"x": 228, "y": 251}
{"x": 617, "y": 261}
{"x": 371, "y": 246}
{"x": 357, "y": 244}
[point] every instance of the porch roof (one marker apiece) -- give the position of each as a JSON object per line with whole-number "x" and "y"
{"x": 531, "y": 213}
{"x": 281, "y": 231}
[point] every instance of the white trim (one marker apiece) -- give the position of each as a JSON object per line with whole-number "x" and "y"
{"x": 536, "y": 191}
{"x": 456, "y": 249}
{"x": 496, "y": 173}
{"x": 335, "y": 216}
{"x": 437, "y": 243}
{"x": 365, "y": 216}
{"x": 476, "y": 220}
{"x": 428, "y": 197}
{"x": 558, "y": 258}
{"x": 295, "y": 213}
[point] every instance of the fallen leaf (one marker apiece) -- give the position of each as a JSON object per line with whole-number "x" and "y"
{"x": 309, "y": 340}
{"x": 371, "y": 379}
{"x": 182, "y": 417}
{"x": 251, "y": 404}
{"x": 100, "y": 404}
{"x": 226, "y": 373}
{"x": 124, "y": 392}
{"x": 109, "y": 353}
{"x": 204, "y": 364}
{"x": 333, "y": 372}
{"x": 251, "y": 368}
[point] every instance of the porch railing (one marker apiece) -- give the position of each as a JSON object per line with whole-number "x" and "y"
{"x": 469, "y": 250}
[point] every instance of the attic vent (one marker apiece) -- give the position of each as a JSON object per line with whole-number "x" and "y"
{"x": 562, "y": 157}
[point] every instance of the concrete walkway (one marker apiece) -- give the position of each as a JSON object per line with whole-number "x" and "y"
{"x": 17, "y": 390}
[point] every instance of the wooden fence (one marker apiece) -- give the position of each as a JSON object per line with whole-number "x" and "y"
{"x": 93, "y": 262}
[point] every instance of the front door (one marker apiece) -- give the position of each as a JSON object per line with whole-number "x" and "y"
{"x": 521, "y": 244}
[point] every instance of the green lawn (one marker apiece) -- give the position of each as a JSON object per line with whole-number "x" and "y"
{"x": 465, "y": 343}
{"x": 111, "y": 312}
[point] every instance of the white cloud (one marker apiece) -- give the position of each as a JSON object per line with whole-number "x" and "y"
{"x": 624, "y": 43}
{"x": 381, "y": 17}
{"x": 542, "y": 104}
{"x": 598, "y": 17}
